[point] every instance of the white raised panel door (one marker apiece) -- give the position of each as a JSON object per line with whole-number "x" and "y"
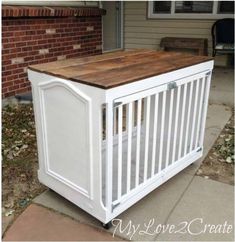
{"x": 66, "y": 120}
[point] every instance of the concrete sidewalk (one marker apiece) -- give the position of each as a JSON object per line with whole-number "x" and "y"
{"x": 40, "y": 224}
{"x": 183, "y": 199}
{"x": 222, "y": 86}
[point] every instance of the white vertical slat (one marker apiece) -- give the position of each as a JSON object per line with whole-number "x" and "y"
{"x": 125, "y": 106}
{"x": 120, "y": 117}
{"x": 176, "y": 123}
{"x": 138, "y": 137}
{"x": 205, "y": 106}
{"x": 155, "y": 119}
{"x": 200, "y": 110}
{"x": 129, "y": 142}
{"x": 188, "y": 117}
{"x": 115, "y": 121}
{"x": 144, "y": 105}
{"x": 182, "y": 121}
{"x": 133, "y": 114}
{"x": 162, "y": 131}
{"x": 109, "y": 156}
{"x": 169, "y": 127}
{"x": 146, "y": 150}
{"x": 194, "y": 116}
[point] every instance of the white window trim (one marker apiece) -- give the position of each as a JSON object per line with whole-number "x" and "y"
{"x": 173, "y": 15}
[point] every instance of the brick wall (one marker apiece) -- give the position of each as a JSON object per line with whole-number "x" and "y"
{"x": 39, "y": 35}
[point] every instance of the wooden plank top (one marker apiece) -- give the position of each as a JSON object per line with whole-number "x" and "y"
{"x": 119, "y": 67}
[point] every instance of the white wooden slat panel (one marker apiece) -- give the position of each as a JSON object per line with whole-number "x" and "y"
{"x": 162, "y": 131}
{"x": 129, "y": 143}
{"x": 169, "y": 126}
{"x": 146, "y": 150}
{"x": 194, "y": 116}
{"x": 200, "y": 110}
{"x": 138, "y": 136}
{"x": 205, "y": 106}
{"x": 115, "y": 121}
{"x": 182, "y": 121}
{"x": 176, "y": 123}
{"x": 120, "y": 123}
{"x": 109, "y": 156}
{"x": 155, "y": 125}
{"x": 188, "y": 117}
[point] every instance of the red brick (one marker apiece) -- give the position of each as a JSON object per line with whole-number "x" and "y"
{"x": 7, "y": 34}
{"x": 19, "y": 33}
{"x": 14, "y": 87}
{"x": 30, "y": 37}
{"x": 12, "y": 77}
{"x": 19, "y": 81}
{"x": 10, "y": 67}
{"x": 4, "y": 91}
{"x": 7, "y": 84}
{"x": 20, "y": 44}
{"x": 24, "y": 85}
{"x": 8, "y": 93}
{"x": 8, "y": 45}
{"x": 15, "y": 50}
{"x": 6, "y": 73}
{"x": 22, "y": 90}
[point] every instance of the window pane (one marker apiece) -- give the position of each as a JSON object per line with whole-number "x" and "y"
{"x": 226, "y": 7}
{"x": 162, "y": 7}
{"x": 193, "y": 6}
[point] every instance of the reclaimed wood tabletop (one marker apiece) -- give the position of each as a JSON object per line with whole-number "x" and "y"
{"x": 120, "y": 67}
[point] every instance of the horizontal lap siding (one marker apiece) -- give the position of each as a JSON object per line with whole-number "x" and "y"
{"x": 140, "y": 32}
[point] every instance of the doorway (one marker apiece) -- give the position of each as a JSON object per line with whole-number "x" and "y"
{"x": 112, "y": 25}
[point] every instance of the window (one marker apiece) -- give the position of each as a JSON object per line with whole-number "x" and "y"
{"x": 162, "y": 7}
{"x": 191, "y": 9}
{"x": 226, "y": 7}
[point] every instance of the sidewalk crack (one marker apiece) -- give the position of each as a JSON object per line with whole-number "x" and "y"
{"x": 175, "y": 205}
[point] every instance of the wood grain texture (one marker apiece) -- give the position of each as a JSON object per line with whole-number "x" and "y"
{"x": 120, "y": 67}
{"x": 198, "y": 44}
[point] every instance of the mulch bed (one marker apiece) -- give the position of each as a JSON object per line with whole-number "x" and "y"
{"x": 219, "y": 163}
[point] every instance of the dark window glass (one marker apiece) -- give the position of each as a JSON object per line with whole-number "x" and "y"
{"x": 193, "y": 6}
{"x": 162, "y": 7}
{"x": 226, "y": 7}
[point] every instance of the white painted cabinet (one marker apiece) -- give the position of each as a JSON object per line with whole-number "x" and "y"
{"x": 105, "y": 149}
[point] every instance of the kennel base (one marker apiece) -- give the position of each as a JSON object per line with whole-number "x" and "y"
{"x": 105, "y": 149}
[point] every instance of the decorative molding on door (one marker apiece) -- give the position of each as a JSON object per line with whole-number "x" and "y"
{"x": 80, "y": 96}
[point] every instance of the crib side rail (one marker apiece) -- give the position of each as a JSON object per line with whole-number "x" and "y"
{"x": 150, "y": 133}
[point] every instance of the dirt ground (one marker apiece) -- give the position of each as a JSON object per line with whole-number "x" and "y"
{"x": 19, "y": 159}
{"x": 219, "y": 163}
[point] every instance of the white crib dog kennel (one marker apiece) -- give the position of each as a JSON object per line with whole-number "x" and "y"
{"x": 113, "y": 127}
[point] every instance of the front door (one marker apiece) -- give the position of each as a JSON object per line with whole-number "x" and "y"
{"x": 112, "y": 25}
